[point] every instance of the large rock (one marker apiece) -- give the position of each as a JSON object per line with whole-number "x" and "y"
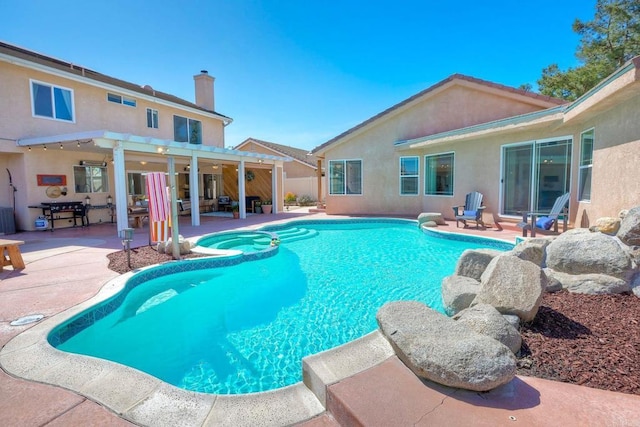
{"x": 473, "y": 262}
{"x": 437, "y": 348}
{"x": 607, "y": 225}
{"x": 578, "y": 252}
{"x": 486, "y": 320}
{"x": 592, "y": 284}
{"x": 512, "y": 286}
{"x": 426, "y": 217}
{"x": 532, "y": 249}
{"x": 458, "y": 292}
{"x": 629, "y": 231}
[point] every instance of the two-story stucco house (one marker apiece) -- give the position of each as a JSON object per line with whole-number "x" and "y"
{"x": 520, "y": 149}
{"x": 68, "y": 133}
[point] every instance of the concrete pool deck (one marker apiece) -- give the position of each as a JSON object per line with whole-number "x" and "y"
{"x": 68, "y": 267}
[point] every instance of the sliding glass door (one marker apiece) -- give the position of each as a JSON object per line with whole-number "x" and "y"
{"x": 534, "y": 174}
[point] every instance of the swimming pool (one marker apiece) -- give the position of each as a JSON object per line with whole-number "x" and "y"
{"x": 244, "y": 323}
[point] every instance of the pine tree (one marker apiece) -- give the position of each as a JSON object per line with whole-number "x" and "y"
{"x": 606, "y": 43}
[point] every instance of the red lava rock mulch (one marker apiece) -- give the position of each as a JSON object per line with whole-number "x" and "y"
{"x": 590, "y": 340}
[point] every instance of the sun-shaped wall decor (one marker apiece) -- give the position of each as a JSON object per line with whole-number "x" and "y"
{"x": 53, "y": 192}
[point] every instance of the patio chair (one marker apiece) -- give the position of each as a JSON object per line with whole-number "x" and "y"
{"x": 471, "y": 211}
{"x": 546, "y": 220}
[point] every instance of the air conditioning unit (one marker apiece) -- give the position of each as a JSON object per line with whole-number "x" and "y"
{"x": 93, "y": 163}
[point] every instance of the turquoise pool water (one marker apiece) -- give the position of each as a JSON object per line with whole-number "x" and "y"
{"x": 246, "y": 327}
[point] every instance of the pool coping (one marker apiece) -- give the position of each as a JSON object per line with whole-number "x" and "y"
{"x": 147, "y": 400}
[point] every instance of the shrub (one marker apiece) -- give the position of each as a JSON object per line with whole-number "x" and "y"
{"x": 290, "y": 197}
{"x": 305, "y": 200}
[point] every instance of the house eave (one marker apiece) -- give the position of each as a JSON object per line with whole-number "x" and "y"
{"x": 58, "y": 72}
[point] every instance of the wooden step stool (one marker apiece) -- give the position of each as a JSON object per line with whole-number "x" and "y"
{"x": 13, "y": 256}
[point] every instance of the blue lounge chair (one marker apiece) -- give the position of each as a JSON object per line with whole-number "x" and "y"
{"x": 546, "y": 220}
{"x": 471, "y": 211}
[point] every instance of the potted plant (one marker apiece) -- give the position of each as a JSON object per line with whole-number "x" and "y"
{"x": 257, "y": 207}
{"x": 266, "y": 206}
{"x": 236, "y": 211}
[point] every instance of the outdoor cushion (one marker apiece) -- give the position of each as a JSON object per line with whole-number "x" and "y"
{"x": 544, "y": 222}
{"x": 470, "y": 213}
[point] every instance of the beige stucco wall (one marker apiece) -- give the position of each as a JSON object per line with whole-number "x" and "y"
{"x": 92, "y": 111}
{"x": 615, "y": 183}
{"x": 455, "y": 107}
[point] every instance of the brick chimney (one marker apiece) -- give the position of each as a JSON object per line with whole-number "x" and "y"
{"x": 204, "y": 90}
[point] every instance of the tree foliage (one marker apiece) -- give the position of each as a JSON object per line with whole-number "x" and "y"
{"x": 606, "y": 43}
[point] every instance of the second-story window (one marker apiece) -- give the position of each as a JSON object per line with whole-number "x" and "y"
{"x": 51, "y": 101}
{"x": 187, "y": 130}
{"x": 152, "y": 118}
{"x": 119, "y": 99}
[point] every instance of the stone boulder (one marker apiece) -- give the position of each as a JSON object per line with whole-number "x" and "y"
{"x": 532, "y": 249}
{"x": 435, "y": 217}
{"x": 166, "y": 247}
{"x": 512, "y": 286}
{"x": 486, "y": 320}
{"x": 629, "y": 231}
{"x": 553, "y": 284}
{"x": 458, "y": 292}
{"x": 439, "y": 349}
{"x": 592, "y": 284}
{"x": 579, "y": 252}
{"x": 607, "y": 225}
{"x": 473, "y": 262}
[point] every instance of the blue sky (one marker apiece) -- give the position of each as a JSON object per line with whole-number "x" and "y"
{"x": 301, "y": 72}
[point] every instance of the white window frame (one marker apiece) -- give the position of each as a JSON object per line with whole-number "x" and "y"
{"x": 121, "y": 99}
{"x": 189, "y": 129}
{"x": 94, "y": 177}
{"x": 345, "y": 179}
{"x": 53, "y": 106}
{"x": 586, "y": 168}
{"x": 402, "y": 176}
{"x": 154, "y": 115}
{"x": 452, "y": 172}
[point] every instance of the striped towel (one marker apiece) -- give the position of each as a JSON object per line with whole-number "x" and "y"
{"x": 159, "y": 209}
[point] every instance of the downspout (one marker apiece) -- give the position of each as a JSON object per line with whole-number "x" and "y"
{"x": 319, "y": 205}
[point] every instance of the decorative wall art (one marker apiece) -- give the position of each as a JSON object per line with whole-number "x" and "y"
{"x": 47, "y": 180}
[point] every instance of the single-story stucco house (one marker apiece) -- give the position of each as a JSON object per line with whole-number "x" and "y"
{"x": 300, "y": 174}
{"x": 520, "y": 149}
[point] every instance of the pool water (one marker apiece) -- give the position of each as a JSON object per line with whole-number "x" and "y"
{"x": 245, "y": 328}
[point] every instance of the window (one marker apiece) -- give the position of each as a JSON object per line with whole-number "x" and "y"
{"x": 119, "y": 99}
{"x": 52, "y": 101}
{"x": 586, "y": 165}
{"x": 409, "y": 175}
{"x": 438, "y": 175}
{"x": 345, "y": 177}
{"x": 152, "y": 118}
{"x": 91, "y": 179}
{"x": 187, "y": 130}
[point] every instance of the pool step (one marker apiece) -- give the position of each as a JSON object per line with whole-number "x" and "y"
{"x": 259, "y": 241}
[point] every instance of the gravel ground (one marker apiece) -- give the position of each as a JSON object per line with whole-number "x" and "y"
{"x": 590, "y": 340}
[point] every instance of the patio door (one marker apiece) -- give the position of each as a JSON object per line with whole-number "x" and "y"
{"x": 534, "y": 174}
